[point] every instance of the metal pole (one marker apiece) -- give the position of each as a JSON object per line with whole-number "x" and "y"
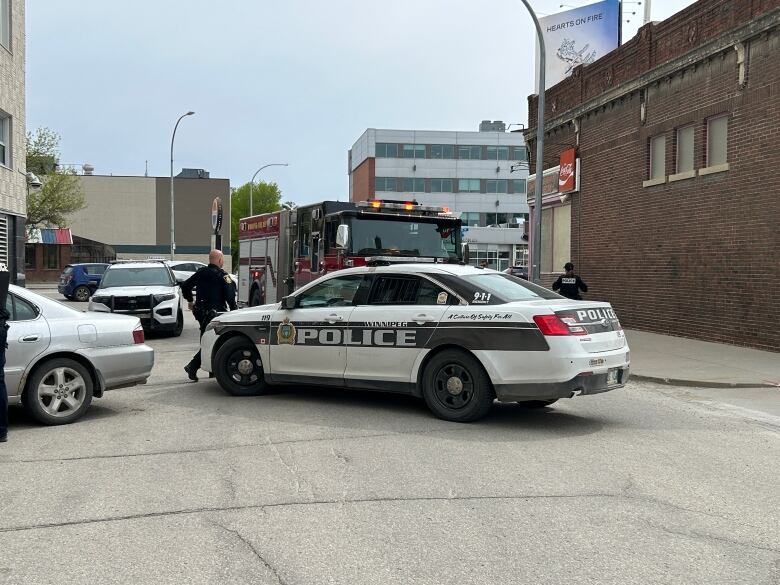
{"x": 252, "y": 182}
{"x": 173, "y": 229}
{"x": 537, "y": 235}
{"x": 647, "y": 12}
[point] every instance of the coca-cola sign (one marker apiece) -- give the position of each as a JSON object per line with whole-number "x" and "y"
{"x": 567, "y": 172}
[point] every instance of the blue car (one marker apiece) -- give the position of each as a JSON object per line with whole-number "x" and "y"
{"x": 79, "y": 281}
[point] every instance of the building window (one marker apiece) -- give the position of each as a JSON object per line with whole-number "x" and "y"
{"x": 470, "y": 152}
{"x": 519, "y": 153}
{"x": 5, "y": 140}
{"x": 385, "y": 184}
{"x": 468, "y": 186}
{"x": 51, "y": 256}
{"x": 470, "y": 218}
{"x": 412, "y": 185}
{"x": 5, "y": 23}
{"x": 717, "y": 138}
{"x": 442, "y": 151}
{"x": 29, "y": 256}
{"x": 556, "y": 238}
{"x": 496, "y": 186}
{"x": 518, "y": 186}
{"x": 413, "y": 150}
{"x": 441, "y": 185}
{"x": 496, "y": 218}
{"x": 384, "y": 150}
{"x": 498, "y": 152}
{"x": 657, "y": 157}
{"x": 684, "y": 149}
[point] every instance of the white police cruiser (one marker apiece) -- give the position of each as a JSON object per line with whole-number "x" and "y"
{"x": 458, "y": 336}
{"x": 146, "y": 289}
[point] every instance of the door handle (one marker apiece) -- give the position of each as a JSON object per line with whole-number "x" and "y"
{"x": 423, "y": 318}
{"x": 333, "y": 318}
{"x": 29, "y": 338}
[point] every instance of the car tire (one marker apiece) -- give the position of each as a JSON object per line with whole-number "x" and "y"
{"x": 536, "y": 403}
{"x": 255, "y": 298}
{"x": 82, "y": 294}
{"x": 456, "y": 387}
{"x": 58, "y": 392}
{"x": 238, "y": 368}
{"x": 179, "y": 325}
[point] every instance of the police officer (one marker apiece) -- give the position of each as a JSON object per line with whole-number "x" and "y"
{"x": 5, "y": 278}
{"x": 570, "y": 284}
{"x": 215, "y": 291}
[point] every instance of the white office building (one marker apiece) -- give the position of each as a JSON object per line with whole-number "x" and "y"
{"x": 480, "y": 176}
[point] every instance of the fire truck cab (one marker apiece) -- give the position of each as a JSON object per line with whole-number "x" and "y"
{"x": 283, "y": 250}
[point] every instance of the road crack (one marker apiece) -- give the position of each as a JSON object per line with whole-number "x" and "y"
{"x": 253, "y": 549}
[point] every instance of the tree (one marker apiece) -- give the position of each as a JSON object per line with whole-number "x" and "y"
{"x": 266, "y": 197}
{"x": 61, "y": 192}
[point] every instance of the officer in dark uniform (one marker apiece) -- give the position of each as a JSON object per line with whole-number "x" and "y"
{"x": 215, "y": 292}
{"x": 570, "y": 284}
{"x": 5, "y": 278}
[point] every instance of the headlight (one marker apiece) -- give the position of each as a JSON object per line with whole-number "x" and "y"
{"x": 212, "y": 325}
{"x": 166, "y": 297}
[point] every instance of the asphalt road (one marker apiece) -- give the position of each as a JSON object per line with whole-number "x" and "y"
{"x": 176, "y": 482}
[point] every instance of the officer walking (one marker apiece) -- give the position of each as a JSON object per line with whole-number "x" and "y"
{"x": 570, "y": 284}
{"x": 215, "y": 291}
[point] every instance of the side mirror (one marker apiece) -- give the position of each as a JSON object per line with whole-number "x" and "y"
{"x": 342, "y": 236}
{"x": 288, "y": 302}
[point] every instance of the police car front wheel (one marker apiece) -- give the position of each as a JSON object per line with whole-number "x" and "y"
{"x": 456, "y": 387}
{"x": 238, "y": 368}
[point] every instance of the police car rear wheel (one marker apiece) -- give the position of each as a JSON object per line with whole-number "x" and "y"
{"x": 456, "y": 387}
{"x": 179, "y": 324}
{"x": 238, "y": 368}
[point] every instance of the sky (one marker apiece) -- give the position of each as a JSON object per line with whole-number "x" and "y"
{"x": 294, "y": 81}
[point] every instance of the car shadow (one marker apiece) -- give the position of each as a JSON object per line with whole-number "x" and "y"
{"x": 18, "y": 418}
{"x": 379, "y": 412}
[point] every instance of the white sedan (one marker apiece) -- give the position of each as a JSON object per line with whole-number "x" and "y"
{"x": 457, "y": 336}
{"x": 58, "y": 358}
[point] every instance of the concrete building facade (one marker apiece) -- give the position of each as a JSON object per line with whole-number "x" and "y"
{"x": 13, "y": 184}
{"x": 133, "y": 215}
{"x": 675, "y": 219}
{"x": 479, "y": 176}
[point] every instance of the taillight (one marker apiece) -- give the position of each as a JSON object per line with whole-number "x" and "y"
{"x": 138, "y": 335}
{"x": 553, "y": 326}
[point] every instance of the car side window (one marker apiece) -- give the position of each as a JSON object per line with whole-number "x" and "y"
{"x": 334, "y": 292}
{"x": 395, "y": 290}
{"x": 97, "y": 269}
{"x": 9, "y": 306}
{"x": 87, "y": 270}
{"x": 23, "y": 311}
{"x": 431, "y": 294}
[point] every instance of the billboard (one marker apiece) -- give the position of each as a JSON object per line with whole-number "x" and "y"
{"x": 578, "y": 37}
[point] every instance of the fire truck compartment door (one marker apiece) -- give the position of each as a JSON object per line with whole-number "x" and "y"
{"x": 308, "y": 343}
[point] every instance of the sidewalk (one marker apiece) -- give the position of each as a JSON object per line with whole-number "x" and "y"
{"x": 689, "y": 362}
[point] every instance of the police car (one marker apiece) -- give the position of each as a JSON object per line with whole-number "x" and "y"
{"x": 457, "y": 336}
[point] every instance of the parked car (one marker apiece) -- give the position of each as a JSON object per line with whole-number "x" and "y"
{"x": 183, "y": 269}
{"x": 519, "y": 271}
{"x": 145, "y": 289}
{"x": 79, "y": 281}
{"x": 59, "y": 359}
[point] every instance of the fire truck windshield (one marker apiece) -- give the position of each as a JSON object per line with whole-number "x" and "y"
{"x": 386, "y": 237}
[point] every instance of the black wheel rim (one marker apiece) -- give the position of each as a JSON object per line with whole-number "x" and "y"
{"x": 244, "y": 367}
{"x": 453, "y": 386}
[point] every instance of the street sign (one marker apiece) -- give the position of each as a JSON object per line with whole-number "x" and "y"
{"x": 216, "y": 215}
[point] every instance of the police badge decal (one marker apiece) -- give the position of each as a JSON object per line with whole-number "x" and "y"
{"x": 285, "y": 334}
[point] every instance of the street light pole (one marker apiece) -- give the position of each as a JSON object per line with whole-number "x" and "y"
{"x": 252, "y": 182}
{"x": 537, "y": 239}
{"x": 173, "y": 229}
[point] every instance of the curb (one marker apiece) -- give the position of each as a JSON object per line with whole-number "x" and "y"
{"x": 699, "y": 383}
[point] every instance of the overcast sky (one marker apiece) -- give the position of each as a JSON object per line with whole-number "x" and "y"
{"x": 287, "y": 81}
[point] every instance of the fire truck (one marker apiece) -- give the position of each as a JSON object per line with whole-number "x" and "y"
{"x": 284, "y": 250}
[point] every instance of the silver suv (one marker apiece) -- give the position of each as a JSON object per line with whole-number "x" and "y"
{"x": 144, "y": 289}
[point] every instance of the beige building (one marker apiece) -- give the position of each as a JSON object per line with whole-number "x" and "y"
{"x": 133, "y": 214}
{"x": 13, "y": 184}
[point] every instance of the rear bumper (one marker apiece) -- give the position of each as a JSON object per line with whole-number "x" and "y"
{"x": 121, "y": 366}
{"x": 579, "y": 385}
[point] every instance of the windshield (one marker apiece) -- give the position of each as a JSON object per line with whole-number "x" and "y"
{"x": 507, "y": 288}
{"x": 388, "y": 237}
{"x": 136, "y": 276}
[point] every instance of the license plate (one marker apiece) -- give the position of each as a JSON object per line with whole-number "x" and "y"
{"x": 612, "y": 376}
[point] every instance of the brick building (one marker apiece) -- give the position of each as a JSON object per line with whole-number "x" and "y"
{"x": 676, "y": 215}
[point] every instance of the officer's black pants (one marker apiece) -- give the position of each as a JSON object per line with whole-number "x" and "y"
{"x": 195, "y": 361}
{"x": 3, "y": 391}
